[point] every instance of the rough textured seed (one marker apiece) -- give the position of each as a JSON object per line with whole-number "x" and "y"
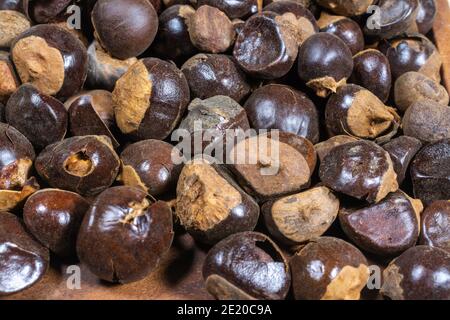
{"x": 267, "y": 167}
{"x": 414, "y": 86}
{"x": 300, "y": 217}
{"x": 40, "y": 64}
{"x": 12, "y": 23}
{"x": 427, "y": 121}
{"x": 131, "y": 97}
{"x": 210, "y": 205}
{"x": 211, "y": 30}
{"x": 9, "y": 82}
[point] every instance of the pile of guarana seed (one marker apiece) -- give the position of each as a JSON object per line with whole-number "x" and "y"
{"x": 95, "y": 94}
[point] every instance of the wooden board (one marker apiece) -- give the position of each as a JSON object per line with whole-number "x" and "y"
{"x": 179, "y": 275}
{"x": 442, "y": 37}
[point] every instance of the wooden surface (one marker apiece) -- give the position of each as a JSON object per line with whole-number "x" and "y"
{"x": 442, "y": 37}
{"x": 179, "y": 275}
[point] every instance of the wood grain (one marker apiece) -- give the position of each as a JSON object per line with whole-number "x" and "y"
{"x": 442, "y": 37}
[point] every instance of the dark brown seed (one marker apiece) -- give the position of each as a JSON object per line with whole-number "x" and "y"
{"x": 281, "y": 107}
{"x": 304, "y": 21}
{"x": 301, "y": 217}
{"x": 328, "y": 269}
{"x": 86, "y": 165}
{"x": 347, "y": 7}
{"x": 285, "y": 166}
{"x": 232, "y": 8}
{"x": 430, "y": 172}
{"x": 150, "y": 98}
{"x": 211, "y": 30}
{"x": 149, "y": 164}
{"x": 426, "y": 15}
{"x": 9, "y": 81}
{"x": 372, "y": 71}
{"x": 402, "y": 150}
{"x": 420, "y": 273}
{"x": 324, "y": 147}
{"x": 414, "y": 86}
{"x": 124, "y": 235}
{"x": 104, "y": 70}
{"x": 92, "y": 113}
{"x": 267, "y": 45}
{"x": 360, "y": 169}
{"x": 387, "y": 228}
{"x": 51, "y": 59}
{"x": 210, "y": 75}
{"x": 246, "y": 266}
{"x": 12, "y": 24}
{"x": 435, "y": 229}
{"x": 412, "y": 52}
{"x": 46, "y": 11}
{"x": 356, "y": 111}
{"x": 324, "y": 63}
{"x": 427, "y": 121}
{"x": 345, "y": 29}
{"x": 125, "y": 28}
{"x": 172, "y": 41}
{"x": 54, "y": 217}
{"x": 394, "y": 17}
{"x": 23, "y": 261}
{"x": 210, "y": 205}
{"x": 41, "y": 118}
